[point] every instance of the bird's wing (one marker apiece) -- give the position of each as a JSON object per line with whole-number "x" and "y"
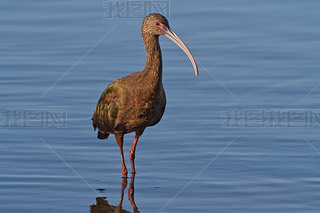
{"x": 106, "y": 111}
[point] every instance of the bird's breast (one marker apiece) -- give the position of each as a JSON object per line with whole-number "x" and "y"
{"x": 145, "y": 107}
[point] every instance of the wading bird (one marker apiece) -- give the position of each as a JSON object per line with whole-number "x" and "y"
{"x": 134, "y": 102}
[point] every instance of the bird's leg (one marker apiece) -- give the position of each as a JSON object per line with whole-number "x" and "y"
{"x": 119, "y": 139}
{"x": 133, "y": 150}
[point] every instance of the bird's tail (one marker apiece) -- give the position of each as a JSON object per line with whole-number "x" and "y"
{"x": 102, "y": 135}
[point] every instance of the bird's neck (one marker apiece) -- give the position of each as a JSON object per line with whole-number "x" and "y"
{"x": 153, "y": 67}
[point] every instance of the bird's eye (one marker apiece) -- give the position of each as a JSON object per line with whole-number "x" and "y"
{"x": 157, "y": 23}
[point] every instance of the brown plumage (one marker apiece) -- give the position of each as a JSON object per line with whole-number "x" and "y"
{"x": 134, "y": 102}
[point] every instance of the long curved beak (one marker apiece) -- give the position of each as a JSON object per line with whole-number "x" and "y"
{"x": 171, "y": 35}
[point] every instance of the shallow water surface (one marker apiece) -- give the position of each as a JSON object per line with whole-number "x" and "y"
{"x": 240, "y": 137}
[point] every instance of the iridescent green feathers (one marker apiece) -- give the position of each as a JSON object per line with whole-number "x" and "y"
{"x": 129, "y": 104}
{"x": 106, "y": 111}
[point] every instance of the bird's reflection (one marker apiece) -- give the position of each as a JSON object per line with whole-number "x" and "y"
{"x": 102, "y": 205}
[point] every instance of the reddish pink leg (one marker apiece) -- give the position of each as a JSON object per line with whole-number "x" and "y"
{"x": 119, "y": 139}
{"x": 133, "y": 150}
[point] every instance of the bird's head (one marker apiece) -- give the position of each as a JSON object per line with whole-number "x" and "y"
{"x": 156, "y": 24}
{"x": 152, "y": 22}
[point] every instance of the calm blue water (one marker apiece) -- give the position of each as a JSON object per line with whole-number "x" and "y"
{"x": 243, "y": 136}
